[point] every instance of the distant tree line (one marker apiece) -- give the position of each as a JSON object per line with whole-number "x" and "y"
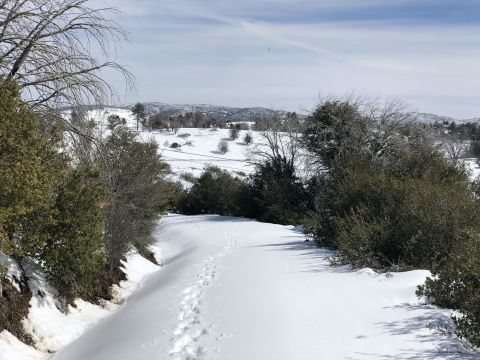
{"x": 196, "y": 119}
{"x": 188, "y": 120}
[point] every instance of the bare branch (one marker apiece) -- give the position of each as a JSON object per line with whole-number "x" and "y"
{"x": 50, "y": 48}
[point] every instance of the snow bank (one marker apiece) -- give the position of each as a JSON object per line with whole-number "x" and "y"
{"x": 13, "y": 349}
{"x": 52, "y": 329}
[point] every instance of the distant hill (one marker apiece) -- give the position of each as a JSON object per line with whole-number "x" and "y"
{"x": 216, "y": 111}
{"x": 248, "y": 113}
{"x": 432, "y": 118}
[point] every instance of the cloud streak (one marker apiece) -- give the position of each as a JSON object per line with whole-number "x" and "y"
{"x": 219, "y": 52}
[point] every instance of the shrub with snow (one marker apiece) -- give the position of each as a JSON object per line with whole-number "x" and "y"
{"x": 234, "y": 133}
{"x": 222, "y": 146}
{"x": 248, "y": 139}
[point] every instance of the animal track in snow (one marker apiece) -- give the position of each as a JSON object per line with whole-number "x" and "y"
{"x": 189, "y": 328}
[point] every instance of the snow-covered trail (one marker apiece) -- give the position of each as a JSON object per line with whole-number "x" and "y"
{"x": 235, "y": 289}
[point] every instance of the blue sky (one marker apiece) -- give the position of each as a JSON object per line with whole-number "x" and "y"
{"x": 287, "y": 53}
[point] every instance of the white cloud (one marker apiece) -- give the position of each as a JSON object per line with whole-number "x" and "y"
{"x": 192, "y": 52}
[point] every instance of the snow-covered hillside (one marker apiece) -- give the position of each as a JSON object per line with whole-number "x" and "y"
{"x": 198, "y": 147}
{"x": 428, "y": 118}
{"x": 201, "y": 150}
{"x": 224, "y": 113}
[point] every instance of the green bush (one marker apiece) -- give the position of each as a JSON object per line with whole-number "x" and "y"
{"x": 389, "y": 199}
{"x": 335, "y": 127}
{"x": 49, "y": 210}
{"x": 73, "y": 257}
{"x": 409, "y": 213}
{"x": 275, "y": 194}
{"x": 138, "y": 192}
{"x": 456, "y": 285}
{"x": 271, "y": 194}
{"x": 31, "y": 167}
{"x": 214, "y": 192}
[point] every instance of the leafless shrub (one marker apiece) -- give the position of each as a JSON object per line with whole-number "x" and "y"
{"x": 281, "y": 142}
{"x": 455, "y": 150}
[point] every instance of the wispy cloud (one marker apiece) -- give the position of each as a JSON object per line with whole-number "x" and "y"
{"x": 282, "y": 53}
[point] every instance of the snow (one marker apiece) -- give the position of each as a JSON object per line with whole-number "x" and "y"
{"x": 203, "y": 151}
{"x": 13, "y": 349}
{"x": 192, "y": 158}
{"x": 50, "y": 328}
{"x": 472, "y": 165}
{"x": 238, "y": 289}
{"x": 13, "y": 271}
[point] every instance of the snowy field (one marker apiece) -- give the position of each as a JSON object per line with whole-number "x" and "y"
{"x": 198, "y": 147}
{"x": 203, "y": 150}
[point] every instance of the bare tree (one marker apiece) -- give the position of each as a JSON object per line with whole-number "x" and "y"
{"x": 281, "y": 142}
{"x": 353, "y": 124}
{"x": 50, "y": 48}
{"x": 386, "y": 121}
{"x": 455, "y": 149}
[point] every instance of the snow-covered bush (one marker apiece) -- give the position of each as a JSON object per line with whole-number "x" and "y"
{"x": 248, "y": 139}
{"x": 234, "y": 133}
{"x": 222, "y": 146}
{"x": 456, "y": 285}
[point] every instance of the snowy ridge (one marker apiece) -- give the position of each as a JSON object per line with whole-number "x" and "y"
{"x": 428, "y": 118}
